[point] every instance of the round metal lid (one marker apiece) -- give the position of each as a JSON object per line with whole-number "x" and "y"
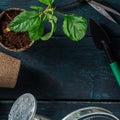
{"x": 24, "y": 108}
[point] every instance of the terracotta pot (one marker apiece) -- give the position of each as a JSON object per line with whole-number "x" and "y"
{"x": 1, "y": 43}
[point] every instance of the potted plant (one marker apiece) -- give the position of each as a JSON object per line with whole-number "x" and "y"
{"x": 32, "y": 23}
{"x": 11, "y": 40}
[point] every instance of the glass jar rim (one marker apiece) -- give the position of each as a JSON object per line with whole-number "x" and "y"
{"x": 90, "y": 112}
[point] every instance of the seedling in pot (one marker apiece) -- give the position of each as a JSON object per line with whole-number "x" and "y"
{"x": 10, "y": 40}
{"x": 33, "y": 21}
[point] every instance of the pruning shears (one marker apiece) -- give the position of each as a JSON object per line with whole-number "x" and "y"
{"x": 102, "y": 9}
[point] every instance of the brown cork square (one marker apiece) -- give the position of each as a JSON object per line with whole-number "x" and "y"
{"x": 9, "y": 70}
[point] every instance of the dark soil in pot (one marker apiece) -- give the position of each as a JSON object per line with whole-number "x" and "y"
{"x": 11, "y": 40}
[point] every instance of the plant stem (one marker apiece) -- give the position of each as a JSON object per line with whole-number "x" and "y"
{"x": 8, "y": 16}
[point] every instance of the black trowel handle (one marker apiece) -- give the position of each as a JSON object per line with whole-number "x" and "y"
{"x": 113, "y": 63}
{"x": 108, "y": 51}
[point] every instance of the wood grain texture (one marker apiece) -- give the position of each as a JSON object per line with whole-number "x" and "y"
{"x": 62, "y": 73}
{"x": 58, "y": 110}
{"x": 62, "y": 69}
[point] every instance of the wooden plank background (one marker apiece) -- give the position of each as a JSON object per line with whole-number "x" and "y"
{"x": 57, "y": 110}
{"x": 64, "y": 71}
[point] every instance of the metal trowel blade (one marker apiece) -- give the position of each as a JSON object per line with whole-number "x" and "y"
{"x": 98, "y": 34}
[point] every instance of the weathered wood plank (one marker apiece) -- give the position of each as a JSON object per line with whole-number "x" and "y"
{"x": 58, "y": 110}
{"x": 62, "y": 69}
{"x": 78, "y": 8}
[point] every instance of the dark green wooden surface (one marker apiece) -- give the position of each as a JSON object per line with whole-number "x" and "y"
{"x": 62, "y": 70}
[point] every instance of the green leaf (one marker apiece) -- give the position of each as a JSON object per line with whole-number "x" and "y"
{"x": 47, "y": 2}
{"x": 24, "y": 21}
{"x": 37, "y": 32}
{"x": 74, "y": 27}
{"x": 40, "y": 9}
{"x": 49, "y": 34}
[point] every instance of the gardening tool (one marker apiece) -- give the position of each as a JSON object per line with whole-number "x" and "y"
{"x": 103, "y": 9}
{"x": 102, "y": 41}
{"x": 24, "y": 108}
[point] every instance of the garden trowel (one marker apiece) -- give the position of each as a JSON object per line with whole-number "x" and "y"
{"x": 102, "y": 41}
